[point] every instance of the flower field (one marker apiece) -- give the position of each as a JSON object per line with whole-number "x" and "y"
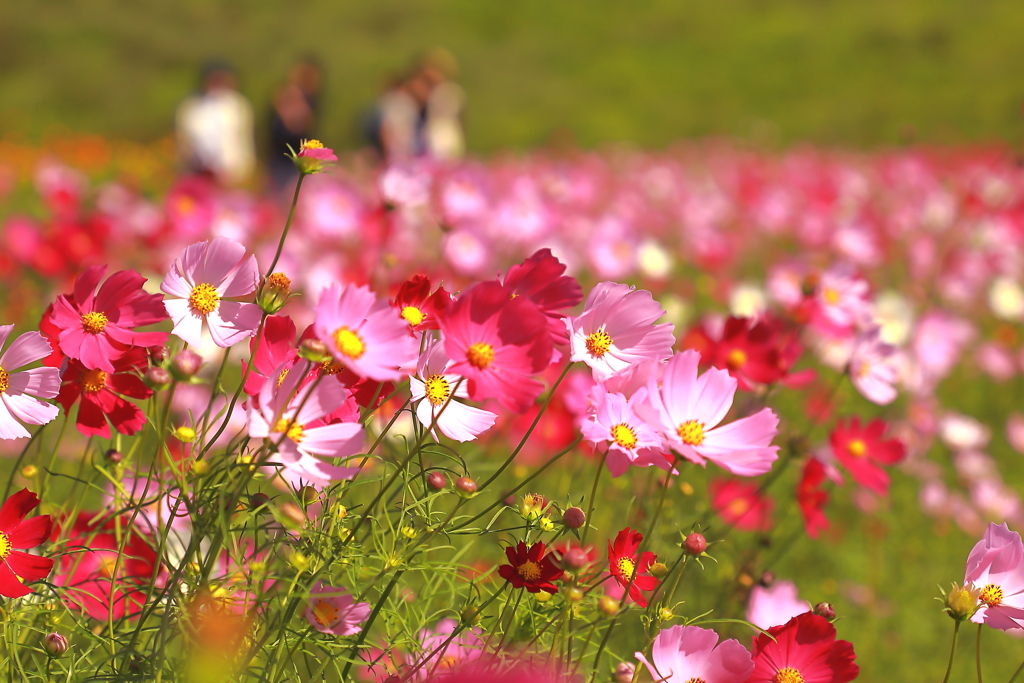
{"x": 714, "y": 414}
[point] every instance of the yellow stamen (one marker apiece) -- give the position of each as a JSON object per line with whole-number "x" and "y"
{"x": 991, "y": 595}
{"x": 736, "y": 359}
{"x": 437, "y": 389}
{"x": 738, "y": 507}
{"x": 832, "y": 297}
{"x": 94, "y": 322}
{"x": 93, "y": 380}
{"x": 624, "y": 435}
{"x": 325, "y": 613}
{"x": 349, "y": 343}
{"x": 280, "y": 378}
{"x": 480, "y": 355}
{"x": 626, "y": 567}
{"x": 691, "y": 432}
{"x": 204, "y": 299}
{"x": 598, "y": 343}
{"x": 5, "y": 380}
{"x": 331, "y": 367}
{"x": 529, "y": 570}
{"x": 788, "y": 675}
{"x": 5, "y": 546}
{"x": 310, "y": 144}
{"x": 412, "y": 315}
{"x": 857, "y": 448}
{"x": 291, "y": 429}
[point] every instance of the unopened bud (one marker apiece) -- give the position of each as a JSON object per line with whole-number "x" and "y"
{"x": 510, "y": 500}
{"x": 308, "y": 495}
{"x": 186, "y": 364}
{"x": 466, "y": 487}
{"x": 575, "y": 558}
{"x": 470, "y": 615}
{"x": 546, "y": 524}
{"x": 113, "y": 455}
{"x": 258, "y": 500}
{"x": 824, "y": 609}
{"x": 158, "y": 378}
{"x": 658, "y": 570}
{"x": 29, "y": 471}
{"x": 696, "y": 544}
{"x": 573, "y": 593}
{"x": 624, "y": 672}
{"x": 299, "y": 561}
{"x": 274, "y": 292}
{"x": 437, "y": 481}
{"x": 55, "y": 644}
{"x": 574, "y": 518}
{"x": 200, "y": 468}
{"x": 962, "y": 602}
{"x": 314, "y": 350}
{"x": 542, "y": 596}
{"x": 185, "y": 434}
{"x": 533, "y": 505}
{"x": 608, "y": 606}
{"x": 665, "y": 614}
{"x": 158, "y": 354}
{"x": 767, "y": 578}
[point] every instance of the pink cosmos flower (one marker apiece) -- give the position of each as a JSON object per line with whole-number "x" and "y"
{"x": 996, "y": 568}
{"x": 463, "y": 649}
{"x": 872, "y": 368}
{"x": 496, "y": 341}
{"x": 683, "y": 654}
{"x": 630, "y": 439}
{"x": 861, "y": 449}
{"x": 332, "y": 610}
{"x": 690, "y": 408}
{"x": 775, "y": 605}
{"x": 205, "y": 276}
{"x": 435, "y": 389}
{"x": 295, "y": 421}
{"x": 842, "y": 298}
{"x": 364, "y": 333}
{"x": 20, "y": 391}
{"x": 96, "y": 327}
{"x": 616, "y": 330}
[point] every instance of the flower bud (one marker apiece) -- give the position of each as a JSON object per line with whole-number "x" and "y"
{"x": 186, "y": 364}
{"x": 608, "y": 606}
{"x": 113, "y": 456}
{"x": 29, "y": 471}
{"x": 158, "y": 354}
{"x": 696, "y": 544}
{"x": 572, "y": 593}
{"x": 665, "y": 614}
{"x": 546, "y": 524}
{"x": 510, "y": 500}
{"x": 962, "y": 602}
{"x": 308, "y": 495}
{"x": 658, "y": 570}
{"x": 824, "y": 609}
{"x": 314, "y": 350}
{"x": 185, "y": 434}
{"x": 532, "y": 506}
{"x": 624, "y": 672}
{"x": 299, "y": 561}
{"x": 575, "y": 558}
{"x": 55, "y": 644}
{"x": 542, "y": 596}
{"x": 437, "y": 481}
{"x": 465, "y": 487}
{"x": 258, "y": 500}
{"x": 158, "y": 378}
{"x": 200, "y": 468}
{"x": 312, "y": 157}
{"x": 470, "y": 615}
{"x": 767, "y": 578}
{"x": 574, "y": 518}
{"x": 273, "y": 293}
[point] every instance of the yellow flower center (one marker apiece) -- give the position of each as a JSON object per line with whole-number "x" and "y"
{"x": 738, "y": 507}
{"x": 310, "y": 144}
{"x": 185, "y": 204}
{"x": 290, "y": 428}
{"x": 788, "y": 675}
{"x": 736, "y": 359}
{"x": 280, "y": 378}
{"x": 280, "y": 282}
{"x": 412, "y": 315}
{"x": 529, "y": 570}
{"x": 832, "y": 297}
{"x": 204, "y": 299}
{"x": 480, "y": 355}
{"x": 857, "y": 448}
{"x": 5, "y": 546}
{"x": 691, "y": 432}
{"x": 5, "y": 380}
{"x": 93, "y": 380}
{"x": 325, "y": 613}
{"x": 696, "y": 680}
{"x": 623, "y": 435}
{"x": 626, "y": 567}
{"x": 331, "y": 367}
{"x": 349, "y": 343}
{"x": 94, "y": 322}
{"x": 447, "y": 662}
{"x": 437, "y": 390}
{"x": 991, "y": 595}
{"x": 108, "y": 566}
{"x": 598, "y": 343}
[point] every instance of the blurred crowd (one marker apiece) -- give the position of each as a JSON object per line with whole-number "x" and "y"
{"x": 417, "y": 115}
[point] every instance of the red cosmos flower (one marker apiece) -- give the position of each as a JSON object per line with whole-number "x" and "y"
{"x": 541, "y": 279}
{"x": 860, "y": 448}
{"x": 92, "y": 560}
{"x": 530, "y": 568}
{"x": 811, "y": 499}
{"x": 623, "y": 564}
{"x": 804, "y": 650}
{"x": 417, "y": 306}
{"x": 97, "y": 327}
{"x": 739, "y": 504}
{"x": 19, "y": 568}
{"x": 496, "y": 341}
{"x": 103, "y": 393}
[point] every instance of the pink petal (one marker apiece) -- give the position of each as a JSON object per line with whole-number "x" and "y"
{"x": 176, "y": 285}
{"x": 29, "y": 409}
{"x": 233, "y": 322}
{"x": 188, "y": 325}
{"x": 29, "y": 347}
{"x": 5, "y": 332}
{"x": 41, "y": 382}
{"x": 9, "y": 427}
{"x": 243, "y": 281}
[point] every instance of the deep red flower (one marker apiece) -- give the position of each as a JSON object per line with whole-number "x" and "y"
{"x": 417, "y": 306}
{"x": 804, "y": 650}
{"x": 811, "y": 499}
{"x": 103, "y": 394}
{"x": 623, "y": 564}
{"x": 862, "y": 449}
{"x": 541, "y": 279}
{"x": 740, "y": 504}
{"x": 530, "y": 568}
{"x": 18, "y": 568}
{"x": 274, "y": 346}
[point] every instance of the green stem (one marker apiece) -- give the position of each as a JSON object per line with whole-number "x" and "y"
{"x": 977, "y": 652}
{"x": 952, "y": 651}
{"x": 369, "y": 622}
{"x": 593, "y": 496}
{"x": 287, "y": 226}
{"x": 1017, "y": 672}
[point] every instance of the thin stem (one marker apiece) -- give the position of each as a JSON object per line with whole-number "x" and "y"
{"x": 1017, "y": 673}
{"x": 977, "y": 652}
{"x": 593, "y": 495}
{"x": 369, "y": 622}
{"x": 287, "y": 226}
{"x": 952, "y": 651}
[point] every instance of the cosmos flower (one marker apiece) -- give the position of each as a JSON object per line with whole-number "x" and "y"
{"x": 775, "y": 605}
{"x": 614, "y": 421}
{"x": 683, "y": 654}
{"x": 20, "y": 392}
{"x": 332, "y": 610}
{"x": 460, "y": 650}
{"x": 434, "y": 391}
{"x": 811, "y": 499}
{"x": 530, "y": 568}
{"x": 740, "y": 504}
{"x": 417, "y": 306}
{"x": 623, "y": 564}
{"x": 541, "y": 278}
{"x": 18, "y": 568}
{"x": 995, "y": 567}
{"x": 804, "y": 650}
{"x": 861, "y": 450}
{"x": 104, "y": 395}
{"x": 872, "y": 368}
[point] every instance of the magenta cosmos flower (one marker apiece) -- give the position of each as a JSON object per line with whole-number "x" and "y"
{"x": 690, "y": 408}
{"x": 996, "y": 568}
{"x": 332, "y": 610}
{"x": 98, "y": 326}
{"x": 20, "y": 391}
{"x": 496, "y": 341}
{"x": 293, "y": 419}
{"x": 804, "y": 650}
{"x": 364, "y": 333}
{"x": 17, "y": 535}
{"x": 434, "y": 391}
{"x": 630, "y": 440}
{"x": 205, "y": 276}
{"x": 683, "y": 654}
{"x": 617, "y": 330}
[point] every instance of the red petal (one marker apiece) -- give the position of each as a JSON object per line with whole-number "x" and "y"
{"x": 31, "y": 533}
{"x": 15, "y": 508}
{"x": 10, "y": 587}
{"x": 29, "y": 567}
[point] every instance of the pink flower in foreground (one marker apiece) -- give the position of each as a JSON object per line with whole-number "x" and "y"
{"x": 872, "y": 368}
{"x": 205, "y": 276}
{"x": 20, "y": 391}
{"x": 683, "y": 654}
{"x": 775, "y": 605}
{"x": 690, "y": 408}
{"x": 436, "y": 389}
{"x": 496, "y": 341}
{"x": 630, "y": 439}
{"x": 98, "y": 326}
{"x": 462, "y": 649}
{"x": 996, "y": 568}
{"x": 617, "y": 330}
{"x": 541, "y": 279}
{"x": 805, "y": 650}
{"x": 332, "y": 610}
{"x": 364, "y": 333}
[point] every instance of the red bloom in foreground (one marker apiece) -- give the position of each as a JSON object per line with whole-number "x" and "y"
{"x": 530, "y": 568}
{"x": 740, "y": 504}
{"x": 804, "y": 650}
{"x": 812, "y": 500}
{"x": 541, "y": 279}
{"x": 860, "y": 449}
{"x": 623, "y": 564}
{"x": 102, "y": 395}
{"x": 417, "y": 306}
{"x": 17, "y": 568}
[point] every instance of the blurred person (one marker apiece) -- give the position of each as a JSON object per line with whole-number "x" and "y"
{"x": 293, "y": 118}
{"x": 215, "y": 128}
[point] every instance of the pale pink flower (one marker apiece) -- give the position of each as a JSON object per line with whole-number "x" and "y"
{"x": 841, "y": 298}
{"x": 691, "y": 407}
{"x": 20, "y": 391}
{"x": 436, "y": 389}
{"x": 617, "y": 330}
{"x": 205, "y": 276}
{"x": 872, "y": 368}
{"x": 1015, "y": 431}
{"x": 775, "y": 605}
{"x": 683, "y": 654}
{"x": 332, "y": 610}
{"x": 996, "y": 568}
{"x": 938, "y": 342}
{"x": 364, "y": 333}
{"x": 630, "y": 440}
{"x": 462, "y": 649}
